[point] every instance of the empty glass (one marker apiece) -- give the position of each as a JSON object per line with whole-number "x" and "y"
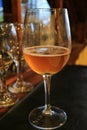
{"x": 6, "y": 98}
{"x": 14, "y": 33}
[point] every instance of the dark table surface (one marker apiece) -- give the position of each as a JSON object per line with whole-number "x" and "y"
{"x": 68, "y": 91}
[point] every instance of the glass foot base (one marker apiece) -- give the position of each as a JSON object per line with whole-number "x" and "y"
{"x": 7, "y": 100}
{"x": 55, "y": 119}
{"x": 20, "y": 87}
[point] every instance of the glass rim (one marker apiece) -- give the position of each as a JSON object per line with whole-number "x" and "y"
{"x": 60, "y": 8}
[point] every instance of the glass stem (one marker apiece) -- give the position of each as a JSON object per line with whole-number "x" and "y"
{"x": 47, "y": 81}
{"x": 18, "y": 70}
{"x": 3, "y": 86}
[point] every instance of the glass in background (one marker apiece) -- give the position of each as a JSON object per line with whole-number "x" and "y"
{"x": 14, "y": 32}
{"x": 6, "y": 98}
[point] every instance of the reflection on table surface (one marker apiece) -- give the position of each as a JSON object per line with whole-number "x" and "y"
{"x": 29, "y": 76}
{"x": 69, "y": 91}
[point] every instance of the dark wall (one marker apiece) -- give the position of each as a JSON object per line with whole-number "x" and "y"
{"x": 55, "y": 3}
{"x": 7, "y": 9}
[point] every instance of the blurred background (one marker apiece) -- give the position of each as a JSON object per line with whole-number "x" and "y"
{"x": 14, "y": 11}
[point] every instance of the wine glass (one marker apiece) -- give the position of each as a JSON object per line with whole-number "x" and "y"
{"x": 14, "y": 39}
{"x": 6, "y": 98}
{"x": 46, "y": 49}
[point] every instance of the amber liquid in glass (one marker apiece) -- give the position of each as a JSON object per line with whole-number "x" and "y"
{"x": 46, "y": 59}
